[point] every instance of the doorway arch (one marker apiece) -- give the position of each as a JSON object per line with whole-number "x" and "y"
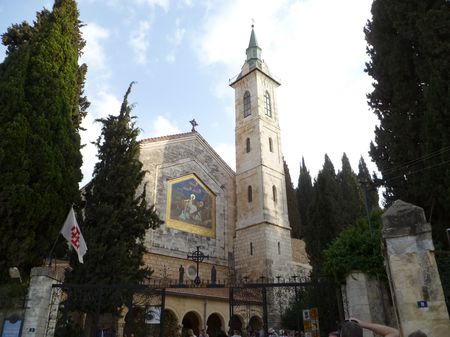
{"x": 215, "y": 325}
{"x": 191, "y": 320}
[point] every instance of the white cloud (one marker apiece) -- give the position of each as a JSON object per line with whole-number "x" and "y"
{"x": 103, "y": 104}
{"x": 163, "y": 127}
{"x": 139, "y": 41}
{"x": 175, "y": 40}
{"x": 164, "y": 4}
{"x": 94, "y": 52}
{"x": 227, "y": 152}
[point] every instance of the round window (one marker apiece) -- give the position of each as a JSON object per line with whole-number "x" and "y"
{"x": 192, "y": 272}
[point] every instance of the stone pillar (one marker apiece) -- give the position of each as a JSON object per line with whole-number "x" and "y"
{"x": 37, "y": 308}
{"x": 366, "y": 298}
{"x": 413, "y": 275}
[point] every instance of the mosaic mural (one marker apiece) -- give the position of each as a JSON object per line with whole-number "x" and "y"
{"x": 191, "y": 206}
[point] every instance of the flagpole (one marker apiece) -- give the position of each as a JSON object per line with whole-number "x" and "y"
{"x": 51, "y": 251}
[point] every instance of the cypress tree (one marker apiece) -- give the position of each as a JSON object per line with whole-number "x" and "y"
{"x": 116, "y": 214}
{"x": 323, "y": 214}
{"x": 351, "y": 204}
{"x": 304, "y": 194}
{"x": 41, "y": 86}
{"x": 293, "y": 213}
{"x": 408, "y": 45}
{"x": 368, "y": 186}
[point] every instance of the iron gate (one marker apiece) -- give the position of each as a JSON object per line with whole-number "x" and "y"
{"x": 96, "y": 311}
{"x": 281, "y": 304}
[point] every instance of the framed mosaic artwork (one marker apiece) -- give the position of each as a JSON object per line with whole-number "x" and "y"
{"x": 191, "y": 206}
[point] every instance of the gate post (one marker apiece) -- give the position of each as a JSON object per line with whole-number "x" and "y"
{"x": 37, "y": 304}
{"x": 412, "y": 271}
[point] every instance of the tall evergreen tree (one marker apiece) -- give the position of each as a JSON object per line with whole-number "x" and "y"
{"x": 304, "y": 193}
{"x": 116, "y": 214}
{"x": 323, "y": 214}
{"x": 293, "y": 213}
{"x": 368, "y": 186}
{"x": 409, "y": 44}
{"x": 41, "y": 88}
{"x": 351, "y": 204}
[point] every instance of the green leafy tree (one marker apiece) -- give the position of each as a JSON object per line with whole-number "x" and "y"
{"x": 408, "y": 44}
{"x": 357, "y": 247}
{"x": 116, "y": 214}
{"x": 293, "y": 213}
{"x": 304, "y": 194}
{"x": 351, "y": 204}
{"x": 41, "y": 88}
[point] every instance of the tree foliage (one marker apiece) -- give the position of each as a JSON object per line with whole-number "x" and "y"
{"x": 116, "y": 214}
{"x": 351, "y": 202}
{"x": 41, "y": 87}
{"x": 408, "y": 44}
{"x": 357, "y": 247}
{"x": 294, "y": 215}
{"x": 304, "y": 194}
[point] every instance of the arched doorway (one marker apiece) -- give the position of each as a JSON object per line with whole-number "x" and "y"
{"x": 171, "y": 327}
{"x": 255, "y": 324}
{"x": 235, "y": 323}
{"x": 190, "y": 321}
{"x": 215, "y": 325}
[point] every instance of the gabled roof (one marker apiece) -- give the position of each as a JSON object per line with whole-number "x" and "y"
{"x": 186, "y": 135}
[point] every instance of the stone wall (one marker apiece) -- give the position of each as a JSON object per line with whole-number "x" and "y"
{"x": 39, "y": 321}
{"x": 366, "y": 298}
{"x": 414, "y": 279}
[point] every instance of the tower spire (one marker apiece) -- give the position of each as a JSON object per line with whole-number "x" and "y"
{"x": 253, "y": 51}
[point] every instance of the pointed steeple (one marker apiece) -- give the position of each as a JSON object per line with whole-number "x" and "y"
{"x": 253, "y": 51}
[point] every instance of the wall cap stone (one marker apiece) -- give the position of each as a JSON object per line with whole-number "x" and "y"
{"x": 404, "y": 219}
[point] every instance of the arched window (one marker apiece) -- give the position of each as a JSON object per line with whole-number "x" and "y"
{"x": 270, "y": 145}
{"x": 247, "y": 145}
{"x": 279, "y": 248}
{"x": 247, "y": 104}
{"x": 251, "y": 248}
{"x": 267, "y": 105}
{"x": 274, "y": 193}
{"x": 249, "y": 194}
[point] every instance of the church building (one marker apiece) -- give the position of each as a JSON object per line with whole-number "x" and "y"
{"x": 222, "y": 226}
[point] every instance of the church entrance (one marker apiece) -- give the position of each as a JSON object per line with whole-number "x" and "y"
{"x": 214, "y": 325}
{"x": 190, "y": 321}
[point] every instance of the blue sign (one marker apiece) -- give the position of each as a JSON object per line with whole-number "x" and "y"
{"x": 11, "y": 329}
{"x": 422, "y": 304}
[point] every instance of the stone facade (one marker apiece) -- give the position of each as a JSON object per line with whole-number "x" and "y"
{"x": 413, "y": 275}
{"x": 168, "y": 158}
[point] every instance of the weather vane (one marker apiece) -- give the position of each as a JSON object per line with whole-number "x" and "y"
{"x": 253, "y": 22}
{"x": 194, "y": 124}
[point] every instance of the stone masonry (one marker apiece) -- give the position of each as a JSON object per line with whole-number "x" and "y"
{"x": 413, "y": 275}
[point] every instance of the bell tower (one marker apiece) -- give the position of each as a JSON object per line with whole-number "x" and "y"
{"x": 263, "y": 234}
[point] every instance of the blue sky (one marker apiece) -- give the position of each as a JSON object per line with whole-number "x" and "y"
{"x": 182, "y": 54}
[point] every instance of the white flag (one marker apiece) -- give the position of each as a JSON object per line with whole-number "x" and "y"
{"x": 71, "y": 231}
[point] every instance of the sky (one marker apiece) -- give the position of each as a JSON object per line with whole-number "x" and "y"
{"x": 182, "y": 53}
